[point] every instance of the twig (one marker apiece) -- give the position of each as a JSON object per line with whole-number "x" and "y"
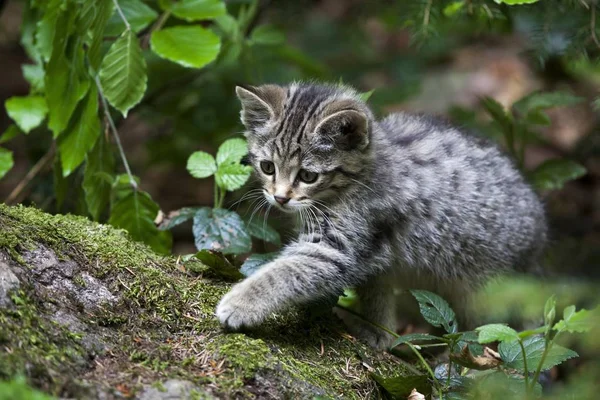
{"x": 113, "y": 128}
{"x": 40, "y": 165}
{"x": 427, "y": 13}
{"x": 593, "y": 26}
{"x": 157, "y": 25}
{"x": 120, "y": 11}
{"x": 526, "y": 374}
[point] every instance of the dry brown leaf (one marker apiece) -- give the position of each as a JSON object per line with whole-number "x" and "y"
{"x": 414, "y": 395}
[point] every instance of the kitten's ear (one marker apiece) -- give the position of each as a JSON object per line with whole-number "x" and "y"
{"x": 260, "y": 104}
{"x": 349, "y": 129}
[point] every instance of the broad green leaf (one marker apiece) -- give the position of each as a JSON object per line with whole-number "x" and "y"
{"x": 267, "y": 35}
{"x": 138, "y": 14}
{"x": 261, "y": 230}
{"x": 100, "y": 164}
{"x": 232, "y": 176}
{"x": 123, "y": 73}
{"x": 534, "y": 347}
{"x": 232, "y": 151}
{"x": 190, "y": 46}
{"x": 6, "y": 161}
{"x": 228, "y": 25}
{"x": 201, "y": 165}
{"x": 218, "y": 265}
{"x": 553, "y": 174}
{"x": 496, "y": 333}
{"x": 34, "y": 74}
{"x": 221, "y": 230}
{"x": 194, "y": 10}
{"x": 135, "y": 212}
{"x": 436, "y": 310}
{"x": 256, "y": 261}
{"x": 47, "y": 28}
{"x": 578, "y": 321}
{"x": 81, "y": 134}
{"x": 66, "y": 80}
{"x": 29, "y": 25}
{"x": 28, "y": 112}
{"x": 10, "y": 133}
{"x": 453, "y": 8}
{"x": 177, "y": 217}
{"x": 516, "y": 2}
{"x": 101, "y": 10}
{"x": 497, "y": 112}
{"x": 543, "y": 100}
{"x": 399, "y": 387}
{"x": 414, "y": 337}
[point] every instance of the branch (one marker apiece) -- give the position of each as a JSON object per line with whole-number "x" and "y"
{"x": 122, "y": 15}
{"x": 42, "y": 163}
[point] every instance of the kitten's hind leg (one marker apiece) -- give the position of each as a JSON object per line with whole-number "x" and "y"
{"x": 375, "y": 304}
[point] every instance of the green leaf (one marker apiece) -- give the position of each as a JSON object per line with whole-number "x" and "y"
{"x": 366, "y": 95}
{"x": 553, "y": 174}
{"x": 543, "y": 100}
{"x": 178, "y": 217}
{"x": 538, "y": 117}
{"x": 194, "y": 10}
{"x": 190, "y": 46}
{"x": 578, "y": 321}
{"x": 256, "y": 261}
{"x": 138, "y": 14}
{"x": 123, "y": 73}
{"x": 261, "y": 230}
{"x": 218, "y": 265}
{"x": 534, "y": 347}
{"x": 232, "y": 176}
{"x": 453, "y": 8}
{"x": 6, "y": 161}
{"x": 201, "y": 165}
{"x": 81, "y": 134}
{"x": 100, "y": 164}
{"x": 34, "y": 74}
{"x": 17, "y": 388}
{"x": 101, "y": 11}
{"x": 498, "y": 385}
{"x": 10, "y": 133}
{"x": 28, "y": 112}
{"x": 550, "y": 311}
{"x": 436, "y": 310}
{"x": 516, "y": 2}
{"x": 221, "y": 230}
{"x": 496, "y": 333}
{"x": 267, "y": 35}
{"x": 399, "y": 387}
{"x": 497, "y": 112}
{"x": 47, "y": 28}
{"x": 413, "y": 337}
{"x": 135, "y": 212}
{"x": 232, "y": 151}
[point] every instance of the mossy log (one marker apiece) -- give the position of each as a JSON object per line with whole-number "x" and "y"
{"x": 85, "y": 312}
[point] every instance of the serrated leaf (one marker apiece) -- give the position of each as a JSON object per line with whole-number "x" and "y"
{"x": 256, "y": 261}
{"x": 232, "y": 176}
{"x": 100, "y": 162}
{"x": 267, "y": 35}
{"x": 178, "y": 217}
{"x": 221, "y": 230}
{"x": 201, "y": 165}
{"x": 138, "y": 14}
{"x": 399, "y": 387}
{"x": 28, "y": 112}
{"x": 10, "y": 133}
{"x": 553, "y": 174}
{"x": 232, "y": 151}
{"x": 135, "y": 212}
{"x": 261, "y": 230}
{"x": 81, "y": 134}
{"x": 194, "y": 10}
{"x": 436, "y": 310}
{"x": 496, "y": 333}
{"x": 578, "y": 321}
{"x": 190, "y": 46}
{"x": 34, "y": 74}
{"x": 218, "y": 265}
{"x": 123, "y": 73}
{"x": 413, "y": 337}
{"x": 534, "y": 348}
{"x": 6, "y": 161}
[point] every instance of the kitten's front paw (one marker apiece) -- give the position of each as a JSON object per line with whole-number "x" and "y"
{"x": 238, "y": 309}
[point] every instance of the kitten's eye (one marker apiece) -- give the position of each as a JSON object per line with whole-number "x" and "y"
{"x": 307, "y": 176}
{"x": 267, "y": 167}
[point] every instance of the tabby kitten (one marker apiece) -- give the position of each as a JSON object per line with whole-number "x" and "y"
{"x": 407, "y": 202}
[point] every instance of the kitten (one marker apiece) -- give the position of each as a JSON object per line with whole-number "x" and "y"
{"x": 407, "y": 202}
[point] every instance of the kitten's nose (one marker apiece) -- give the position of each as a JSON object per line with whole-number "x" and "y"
{"x": 281, "y": 200}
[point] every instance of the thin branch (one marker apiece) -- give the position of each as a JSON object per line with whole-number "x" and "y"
{"x": 122, "y": 15}
{"x": 593, "y": 26}
{"x": 113, "y": 128}
{"x": 42, "y": 163}
{"x": 157, "y": 25}
{"x": 427, "y": 13}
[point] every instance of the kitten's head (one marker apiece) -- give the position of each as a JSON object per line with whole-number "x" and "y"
{"x": 307, "y": 143}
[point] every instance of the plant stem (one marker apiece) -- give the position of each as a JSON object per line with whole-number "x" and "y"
{"x": 525, "y": 365}
{"x": 113, "y": 129}
{"x": 42, "y": 163}
{"x": 538, "y": 370}
{"x": 120, "y": 11}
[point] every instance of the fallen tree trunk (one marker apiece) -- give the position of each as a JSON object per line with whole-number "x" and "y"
{"x": 85, "y": 312}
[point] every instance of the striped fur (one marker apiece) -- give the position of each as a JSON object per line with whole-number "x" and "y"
{"x": 405, "y": 202}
